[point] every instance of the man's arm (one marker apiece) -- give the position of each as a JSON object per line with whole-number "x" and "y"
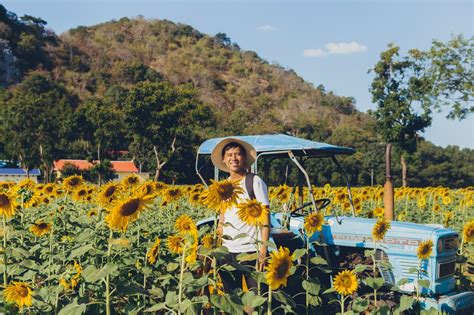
{"x": 265, "y": 237}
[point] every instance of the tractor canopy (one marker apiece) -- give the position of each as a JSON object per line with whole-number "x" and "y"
{"x": 280, "y": 144}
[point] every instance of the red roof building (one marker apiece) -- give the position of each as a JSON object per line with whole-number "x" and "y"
{"x": 118, "y": 166}
{"x": 122, "y": 168}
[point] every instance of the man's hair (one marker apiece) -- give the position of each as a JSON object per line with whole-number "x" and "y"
{"x": 232, "y": 145}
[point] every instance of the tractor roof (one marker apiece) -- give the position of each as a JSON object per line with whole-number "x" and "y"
{"x": 279, "y": 143}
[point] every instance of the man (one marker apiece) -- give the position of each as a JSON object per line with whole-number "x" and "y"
{"x": 235, "y": 156}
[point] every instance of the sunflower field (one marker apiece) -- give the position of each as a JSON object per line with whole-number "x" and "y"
{"x": 133, "y": 247}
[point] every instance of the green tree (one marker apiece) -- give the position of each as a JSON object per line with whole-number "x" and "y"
{"x": 37, "y": 117}
{"x": 171, "y": 119}
{"x": 449, "y": 68}
{"x": 401, "y": 91}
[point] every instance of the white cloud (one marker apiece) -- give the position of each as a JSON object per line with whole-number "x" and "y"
{"x": 335, "y": 49}
{"x": 266, "y": 28}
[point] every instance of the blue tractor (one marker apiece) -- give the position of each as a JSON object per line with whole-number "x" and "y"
{"x": 349, "y": 235}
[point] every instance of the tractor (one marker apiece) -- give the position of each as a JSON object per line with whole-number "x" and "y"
{"x": 347, "y": 237}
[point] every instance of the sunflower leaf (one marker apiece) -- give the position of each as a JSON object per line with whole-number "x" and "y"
{"x": 172, "y": 267}
{"x": 425, "y": 283}
{"x": 156, "y": 307}
{"x": 330, "y": 290}
{"x": 312, "y": 286}
{"x": 73, "y": 309}
{"x": 297, "y": 254}
{"x": 251, "y": 301}
{"x": 360, "y": 268}
{"x": 319, "y": 260}
{"x": 80, "y": 251}
{"x": 369, "y": 252}
{"x": 360, "y": 305}
{"x": 375, "y": 283}
{"x": 247, "y": 257}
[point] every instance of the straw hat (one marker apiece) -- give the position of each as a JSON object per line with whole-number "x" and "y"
{"x": 216, "y": 155}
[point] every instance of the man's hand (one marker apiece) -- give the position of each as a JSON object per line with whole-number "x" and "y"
{"x": 262, "y": 258}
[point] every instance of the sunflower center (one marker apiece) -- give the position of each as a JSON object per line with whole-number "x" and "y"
{"x": 23, "y": 291}
{"x": 314, "y": 221}
{"x": 254, "y": 211}
{"x": 148, "y": 189}
{"x": 132, "y": 180}
{"x": 4, "y": 200}
{"x": 346, "y": 282}
{"x": 173, "y": 192}
{"x": 74, "y": 181}
{"x": 42, "y": 226}
{"x": 130, "y": 207}
{"x": 109, "y": 191}
{"x": 282, "y": 269}
{"x": 49, "y": 189}
{"x": 81, "y": 192}
{"x": 225, "y": 191}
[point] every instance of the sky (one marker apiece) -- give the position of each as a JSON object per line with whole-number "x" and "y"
{"x": 331, "y": 42}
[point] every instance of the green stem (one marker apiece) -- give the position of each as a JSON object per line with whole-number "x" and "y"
{"x": 181, "y": 274}
{"x": 307, "y": 271}
{"x": 5, "y": 275}
{"x": 342, "y": 303}
{"x": 107, "y": 278}
{"x": 144, "y": 279}
{"x": 269, "y": 310}
{"x": 375, "y": 272}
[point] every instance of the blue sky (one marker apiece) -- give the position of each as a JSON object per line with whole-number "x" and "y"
{"x": 332, "y": 43}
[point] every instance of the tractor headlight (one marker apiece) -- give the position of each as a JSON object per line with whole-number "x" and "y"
{"x": 440, "y": 246}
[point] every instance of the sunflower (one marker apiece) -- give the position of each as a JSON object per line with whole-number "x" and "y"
{"x": 19, "y": 293}
{"x": 92, "y": 212}
{"x": 222, "y": 195}
{"x": 380, "y": 229}
{"x": 207, "y": 241}
{"x": 378, "y": 212}
{"x": 175, "y": 244}
{"x": 278, "y": 268}
{"x": 468, "y": 232}
{"x": 171, "y": 194}
{"x": 5, "y": 186}
{"x": 27, "y": 183}
{"x": 40, "y": 228}
{"x": 252, "y": 212}
{"x": 192, "y": 256}
{"x": 153, "y": 252}
{"x": 345, "y": 283}
{"x": 184, "y": 224}
{"x": 7, "y": 205}
{"x": 80, "y": 193}
{"x": 313, "y": 222}
{"x": 447, "y": 218}
{"x": 130, "y": 180}
{"x": 126, "y": 211}
{"x": 72, "y": 182}
{"x": 424, "y": 249}
{"x": 195, "y": 198}
{"x": 49, "y": 189}
{"x": 147, "y": 188}
{"x": 74, "y": 280}
{"x": 107, "y": 194}
{"x": 447, "y": 200}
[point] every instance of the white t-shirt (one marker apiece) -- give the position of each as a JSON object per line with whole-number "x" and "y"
{"x": 247, "y": 243}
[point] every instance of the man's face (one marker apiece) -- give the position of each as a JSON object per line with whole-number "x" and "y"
{"x": 234, "y": 159}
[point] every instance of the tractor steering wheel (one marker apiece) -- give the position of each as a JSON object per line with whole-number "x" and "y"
{"x": 321, "y": 203}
